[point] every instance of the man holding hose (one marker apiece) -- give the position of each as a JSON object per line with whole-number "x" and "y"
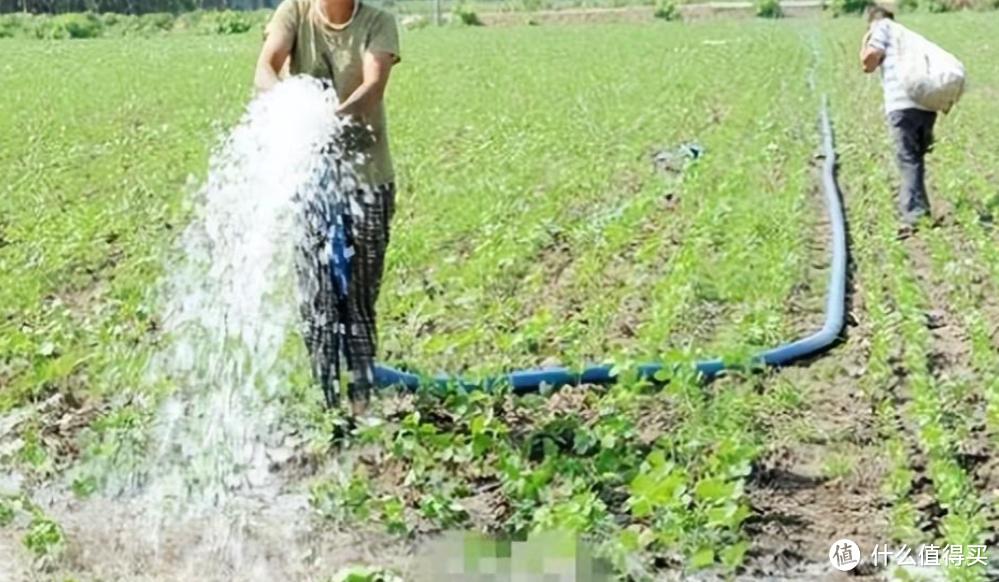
{"x": 353, "y": 46}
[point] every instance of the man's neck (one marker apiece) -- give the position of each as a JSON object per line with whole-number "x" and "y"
{"x": 338, "y": 12}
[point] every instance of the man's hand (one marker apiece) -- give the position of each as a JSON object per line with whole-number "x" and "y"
{"x": 353, "y": 137}
{"x": 870, "y": 57}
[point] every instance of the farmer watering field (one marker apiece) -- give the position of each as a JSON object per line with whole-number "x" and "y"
{"x": 162, "y": 240}
{"x": 352, "y": 47}
{"x": 920, "y": 80}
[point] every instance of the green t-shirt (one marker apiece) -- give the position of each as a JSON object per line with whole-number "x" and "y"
{"x": 319, "y": 45}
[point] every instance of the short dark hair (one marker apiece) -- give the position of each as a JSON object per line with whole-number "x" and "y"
{"x": 877, "y": 12}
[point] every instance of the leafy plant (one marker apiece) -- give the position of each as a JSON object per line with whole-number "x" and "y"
{"x": 464, "y": 14}
{"x": 768, "y": 9}
{"x": 365, "y": 574}
{"x": 44, "y": 536}
{"x": 7, "y": 512}
{"x": 85, "y": 25}
{"x": 667, "y": 10}
{"x": 341, "y": 501}
{"x": 232, "y": 22}
{"x": 844, "y": 7}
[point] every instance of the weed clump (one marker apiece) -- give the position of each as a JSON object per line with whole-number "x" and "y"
{"x": 842, "y": 7}
{"x": 768, "y": 9}
{"x": 464, "y": 14}
{"x": 667, "y": 10}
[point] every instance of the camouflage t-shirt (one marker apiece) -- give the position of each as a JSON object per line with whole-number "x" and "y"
{"x": 335, "y": 52}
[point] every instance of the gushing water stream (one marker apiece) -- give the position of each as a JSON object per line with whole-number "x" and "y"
{"x": 207, "y": 504}
{"x": 231, "y": 302}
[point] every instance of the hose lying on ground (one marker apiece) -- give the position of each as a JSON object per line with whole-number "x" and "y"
{"x": 525, "y": 381}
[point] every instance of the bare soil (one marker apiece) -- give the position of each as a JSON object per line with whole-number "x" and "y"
{"x": 802, "y": 501}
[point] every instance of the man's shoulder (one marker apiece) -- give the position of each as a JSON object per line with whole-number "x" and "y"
{"x": 890, "y": 28}
{"x": 377, "y": 14}
{"x": 297, "y": 7}
{"x": 882, "y": 34}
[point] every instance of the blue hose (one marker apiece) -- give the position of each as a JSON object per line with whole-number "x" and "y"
{"x": 526, "y": 381}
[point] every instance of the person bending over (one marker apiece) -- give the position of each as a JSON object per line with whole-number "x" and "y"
{"x": 911, "y": 125}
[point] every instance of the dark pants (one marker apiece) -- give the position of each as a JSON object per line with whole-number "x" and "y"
{"x": 912, "y": 130}
{"x": 334, "y": 327}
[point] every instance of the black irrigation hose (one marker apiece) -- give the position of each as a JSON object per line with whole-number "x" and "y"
{"x": 525, "y": 381}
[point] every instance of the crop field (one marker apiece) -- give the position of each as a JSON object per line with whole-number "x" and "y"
{"x": 534, "y": 227}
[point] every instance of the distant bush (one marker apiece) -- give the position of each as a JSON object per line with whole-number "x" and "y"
{"x": 42, "y": 26}
{"x": 907, "y": 5}
{"x": 666, "y": 10}
{"x": 156, "y": 21}
{"x": 16, "y": 25}
{"x": 768, "y": 9}
{"x": 119, "y": 24}
{"x": 956, "y": 5}
{"x": 464, "y": 14}
{"x": 230, "y": 22}
{"x": 220, "y": 22}
{"x": 90, "y": 25}
{"x": 841, "y": 7}
{"x": 87, "y": 25}
{"x": 48, "y": 27}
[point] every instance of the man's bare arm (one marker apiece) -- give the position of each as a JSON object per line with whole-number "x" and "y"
{"x": 377, "y": 66}
{"x": 871, "y": 58}
{"x": 276, "y": 50}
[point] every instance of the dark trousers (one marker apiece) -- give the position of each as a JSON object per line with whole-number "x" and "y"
{"x": 912, "y": 130}
{"x": 335, "y": 327}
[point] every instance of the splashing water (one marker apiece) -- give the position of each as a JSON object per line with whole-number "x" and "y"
{"x": 207, "y": 505}
{"x": 230, "y": 304}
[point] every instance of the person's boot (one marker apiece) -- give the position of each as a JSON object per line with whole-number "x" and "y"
{"x": 342, "y": 430}
{"x": 359, "y": 393}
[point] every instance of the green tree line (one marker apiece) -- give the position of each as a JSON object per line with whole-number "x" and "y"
{"x": 129, "y": 6}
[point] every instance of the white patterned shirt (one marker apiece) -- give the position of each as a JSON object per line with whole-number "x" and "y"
{"x": 884, "y": 38}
